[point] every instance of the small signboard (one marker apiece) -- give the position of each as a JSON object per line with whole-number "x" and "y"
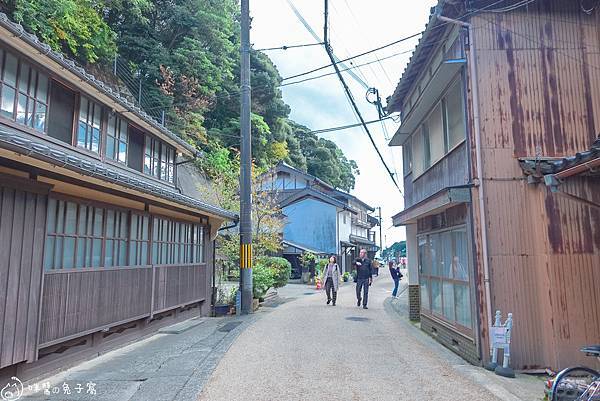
{"x": 500, "y": 337}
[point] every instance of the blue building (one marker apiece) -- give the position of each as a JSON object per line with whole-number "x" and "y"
{"x": 319, "y": 218}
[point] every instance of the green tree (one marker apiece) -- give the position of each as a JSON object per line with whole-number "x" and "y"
{"x": 74, "y": 27}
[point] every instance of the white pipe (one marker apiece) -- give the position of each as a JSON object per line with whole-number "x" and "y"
{"x": 479, "y": 179}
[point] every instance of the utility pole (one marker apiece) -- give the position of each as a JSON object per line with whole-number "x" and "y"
{"x": 245, "y": 166}
{"x": 380, "y": 232}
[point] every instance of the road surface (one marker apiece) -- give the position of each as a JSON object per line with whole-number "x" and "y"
{"x": 307, "y": 350}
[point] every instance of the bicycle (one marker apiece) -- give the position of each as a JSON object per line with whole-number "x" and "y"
{"x": 578, "y": 383}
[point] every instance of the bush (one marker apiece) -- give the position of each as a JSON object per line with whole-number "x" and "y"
{"x": 262, "y": 280}
{"x": 280, "y": 267}
{"x": 320, "y": 267}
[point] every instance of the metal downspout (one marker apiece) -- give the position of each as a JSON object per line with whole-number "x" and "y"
{"x": 478, "y": 181}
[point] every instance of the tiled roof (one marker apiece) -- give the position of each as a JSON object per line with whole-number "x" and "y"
{"x": 71, "y": 66}
{"x": 47, "y": 151}
{"x": 539, "y": 168}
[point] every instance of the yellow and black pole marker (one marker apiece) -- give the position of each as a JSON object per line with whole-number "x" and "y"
{"x": 245, "y": 165}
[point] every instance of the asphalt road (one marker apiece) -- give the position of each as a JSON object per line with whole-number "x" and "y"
{"x": 307, "y": 350}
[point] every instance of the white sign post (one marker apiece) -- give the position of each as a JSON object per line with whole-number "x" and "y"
{"x": 500, "y": 339}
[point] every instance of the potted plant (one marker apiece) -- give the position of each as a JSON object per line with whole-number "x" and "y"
{"x": 346, "y": 277}
{"x": 222, "y": 304}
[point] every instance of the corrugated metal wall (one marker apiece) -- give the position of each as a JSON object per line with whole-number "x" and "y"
{"x": 539, "y": 89}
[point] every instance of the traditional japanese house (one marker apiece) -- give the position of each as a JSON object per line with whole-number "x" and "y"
{"x": 494, "y": 97}
{"x": 99, "y": 241}
{"x": 319, "y": 218}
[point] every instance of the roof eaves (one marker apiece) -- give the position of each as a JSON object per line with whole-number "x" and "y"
{"x": 70, "y": 65}
{"x": 72, "y": 161}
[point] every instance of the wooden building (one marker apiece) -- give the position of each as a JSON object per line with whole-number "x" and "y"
{"x": 492, "y": 89}
{"x": 99, "y": 243}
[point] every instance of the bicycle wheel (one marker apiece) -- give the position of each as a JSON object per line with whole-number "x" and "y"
{"x": 576, "y": 384}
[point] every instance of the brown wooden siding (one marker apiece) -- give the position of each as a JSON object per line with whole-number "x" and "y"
{"x": 539, "y": 88}
{"x": 22, "y": 231}
{"x": 75, "y": 302}
{"x": 179, "y": 285}
{"x": 450, "y": 171}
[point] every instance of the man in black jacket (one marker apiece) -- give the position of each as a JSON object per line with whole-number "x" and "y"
{"x": 364, "y": 278}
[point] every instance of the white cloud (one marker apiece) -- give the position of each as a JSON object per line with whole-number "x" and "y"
{"x": 355, "y": 26}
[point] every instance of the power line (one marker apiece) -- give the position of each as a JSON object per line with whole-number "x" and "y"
{"x": 285, "y": 47}
{"x": 404, "y": 39}
{"x": 352, "y": 102}
{"x": 334, "y": 63}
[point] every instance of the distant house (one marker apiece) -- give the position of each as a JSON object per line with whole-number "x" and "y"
{"x": 489, "y": 111}
{"x": 319, "y": 218}
{"x": 103, "y": 235}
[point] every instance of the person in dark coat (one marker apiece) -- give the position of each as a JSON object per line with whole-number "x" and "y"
{"x": 396, "y": 276}
{"x": 364, "y": 278}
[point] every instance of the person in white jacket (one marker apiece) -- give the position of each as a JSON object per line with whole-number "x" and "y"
{"x": 331, "y": 278}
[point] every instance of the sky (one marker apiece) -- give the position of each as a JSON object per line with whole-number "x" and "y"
{"x": 356, "y": 26}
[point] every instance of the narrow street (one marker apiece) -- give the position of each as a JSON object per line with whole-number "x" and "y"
{"x": 307, "y": 350}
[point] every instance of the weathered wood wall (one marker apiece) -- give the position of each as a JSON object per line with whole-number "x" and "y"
{"x": 452, "y": 170}
{"x": 179, "y": 285}
{"x": 539, "y": 88}
{"x": 76, "y": 303}
{"x": 22, "y": 233}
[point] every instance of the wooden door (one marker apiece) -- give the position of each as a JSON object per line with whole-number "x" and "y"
{"x": 23, "y": 205}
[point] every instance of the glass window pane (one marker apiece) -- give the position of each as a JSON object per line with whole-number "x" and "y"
{"x": 143, "y": 257}
{"x": 95, "y": 145}
{"x": 71, "y": 218}
{"x": 110, "y": 223}
{"x": 123, "y": 233}
{"x": 424, "y": 256}
{"x": 448, "y": 295}
{"x": 58, "y": 252}
{"x": 21, "y": 108}
{"x": 10, "y": 70}
{"x": 23, "y": 76}
{"x": 60, "y": 227}
{"x": 97, "y": 116}
{"x": 82, "y": 219}
{"x": 455, "y": 115}
{"x": 88, "y": 252}
{"x": 425, "y": 294}
{"x": 145, "y": 222}
{"x": 110, "y": 147}
{"x": 123, "y": 129}
{"x": 435, "y": 252}
{"x": 96, "y": 252}
{"x": 133, "y": 247}
{"x": 448, "y": 254}
{"x": 69, "y": 253}
{"x": 80, "y": 259}
{"x": 436, "y": 296}
{"x": 51, "y": 221}
{"x": 122, "y": 152}
{"x": 98, "y": 220}
{"x": 8, "y": 101}
{"x": 49, "y": 253}
{"x": 463, "y": 306}
{"x": 42, "y": 88}
{"x": 460, "y": 259}
{"x": 39, "y": 122}
{"x": 122, "y": 253}
{"x": 29, "y": 112}
{"x": 112, "y": 128}
{"x": 81, "y": 132}
{"x": 108, "y": 258}
{"x": 436, "y": 133}
{"x": 154, "y": 253}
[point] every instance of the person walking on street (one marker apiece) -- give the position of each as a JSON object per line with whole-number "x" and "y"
{"x": 331, "y": 278}
{"x": 396, "y": 276}
{"x": 364, "y": 278}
